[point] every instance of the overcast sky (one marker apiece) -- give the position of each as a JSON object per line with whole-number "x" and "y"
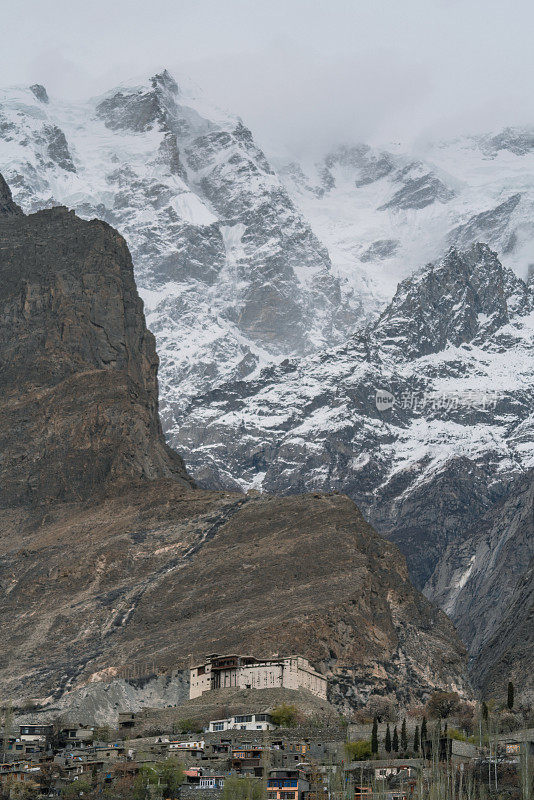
{"x": 299, "y": 72}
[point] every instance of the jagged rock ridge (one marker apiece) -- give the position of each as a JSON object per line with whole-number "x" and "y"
{"x": 455, "y": 348}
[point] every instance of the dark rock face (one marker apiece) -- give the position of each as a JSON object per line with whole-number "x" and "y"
{"x": 40, "y": 92}
{"x": 418, "y": 191}
{"x": 508, "y": 654}
{"x": 491, "y": 226}
{"x": 75, "y": 355}
{"x": 481, "y": 574}
{"x": 379, "y": 250}
{"x": 8, "y": 208}
{"x": 57, "y": 148}
{"x": 370, "y": 166}
{"x": 110, "y": 557}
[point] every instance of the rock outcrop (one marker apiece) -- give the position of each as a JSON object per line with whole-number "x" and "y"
{"x": 485, "y": 583}
{"x": 509, "y": 652}
{"x": 111, "y": 559}
{"x": 8, "y": 208}
{"x": 78, "y": 368}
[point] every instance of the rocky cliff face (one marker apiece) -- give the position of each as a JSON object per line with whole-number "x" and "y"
{"x": 8, "y": 208}
{"x": 508, "y": 652}
{"x": 78, "y": 368}
{"x": 484, "y": 582}
{"x": 110, "y": 558}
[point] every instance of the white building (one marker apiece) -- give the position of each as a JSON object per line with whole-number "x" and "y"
{"x": 246, "y": 672}
{"x": 187, "y": 746}
{"x": 211, "y": 782}
{"x": 243, "y": 722}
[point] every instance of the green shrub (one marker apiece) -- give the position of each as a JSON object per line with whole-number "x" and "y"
{"x": 189, "y": 726}
{"x": 285, "y": 715}
{"x": 359, "y": 751}
{"x": 454, "y": 733}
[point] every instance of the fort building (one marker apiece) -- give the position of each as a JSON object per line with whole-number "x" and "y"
{"x": 246, "y": 672}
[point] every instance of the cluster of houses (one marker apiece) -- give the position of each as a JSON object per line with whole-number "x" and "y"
{"x": 294, "y": 764}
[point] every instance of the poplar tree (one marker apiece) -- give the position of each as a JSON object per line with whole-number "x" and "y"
{"x": 510, "y": 695}
{"x": 374, "y": 736}
{"x": 404, "y": 736}
{"x": 424, "y": 732}
{"x": 387, "y": 743}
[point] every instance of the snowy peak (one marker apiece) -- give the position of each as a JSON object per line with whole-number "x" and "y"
{"x": 379, "y": 211}
{"x": 231, "y": 272}
{"x": 160, "y": 103}
{"x": 464, "y": 295}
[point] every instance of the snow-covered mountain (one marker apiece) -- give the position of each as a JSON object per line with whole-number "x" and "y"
{"x": 271, "y": 287}
{"x": 230, "y": 271}
{"x": 383, "y": 212}
{"x": 454, "y": 350}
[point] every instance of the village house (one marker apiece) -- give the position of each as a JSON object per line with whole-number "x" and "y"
{"x": 197, "y": 778}
{"x": 76, "y": 736}
{"x": 247, "y": 759}
{"x": 194, "y": 749}
{"x": 246, "y": 672}
{"x": 28, "y": 733}
{"x": 18, "y": 771}
{"x": 287, "y": 784}
{"x": 514, "y": 745}
{"x": 243, "y": 722}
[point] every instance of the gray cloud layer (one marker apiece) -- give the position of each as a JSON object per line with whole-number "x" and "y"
{"x": 302, "y": 73}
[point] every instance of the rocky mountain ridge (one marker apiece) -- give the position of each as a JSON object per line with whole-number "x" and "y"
{"x": 110, "y": 558}
{"x": 454, "y": 354}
